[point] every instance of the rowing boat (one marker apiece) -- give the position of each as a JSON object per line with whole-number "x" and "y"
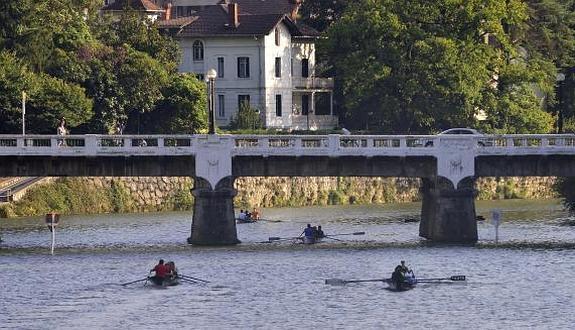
{"x": 407, "y": 284}
{"x": 167, "y": 281}
{"x": 311, "y": 240}
{"x": 238, "y": 220}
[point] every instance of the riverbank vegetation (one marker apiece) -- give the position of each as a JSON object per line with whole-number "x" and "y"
{"x": 124, "y": 195}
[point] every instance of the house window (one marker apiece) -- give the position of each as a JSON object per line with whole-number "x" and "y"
{"x": 243, "y": 100}
{"x": 279, "y": 105}
{"x": 243, "y": 67}
{"x": 198, "y": 51}
{"x": 305, "y": 68}
{"x": 200, "y": 76}
{"x": 305, "y": 104}
{"x": 277, "y": 36}
{"x": 278, "y": 67}
{"x": 220, "y": 67}
{"x": 221, "y": 106}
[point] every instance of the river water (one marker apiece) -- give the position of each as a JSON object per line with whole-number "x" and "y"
{"x": 524, "y": 281}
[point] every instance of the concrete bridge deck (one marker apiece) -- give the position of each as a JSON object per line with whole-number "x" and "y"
{"x": 448, "y": 165}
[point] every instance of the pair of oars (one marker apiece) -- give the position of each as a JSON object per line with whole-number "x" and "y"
{"x": 326, "y": 236}
{"x": 339, "y": 281}
{"x": 185, "y": 278}
{"x": 193, "y": 279}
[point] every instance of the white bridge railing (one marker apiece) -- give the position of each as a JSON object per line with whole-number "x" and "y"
{"x": 283, "y": 145}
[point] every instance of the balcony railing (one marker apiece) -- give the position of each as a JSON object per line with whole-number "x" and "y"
{"x": 313, "y": 83}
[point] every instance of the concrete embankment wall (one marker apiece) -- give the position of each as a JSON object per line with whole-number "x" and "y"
{"x": 148, "y": 194}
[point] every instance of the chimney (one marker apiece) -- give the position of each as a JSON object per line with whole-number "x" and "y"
{"x": 168, "y": 11}
{"x": 233, "y": 11}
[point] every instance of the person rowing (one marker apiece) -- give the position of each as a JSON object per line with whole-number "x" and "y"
{"x": 319, "y": 233}
{"x": 398, "y": 277}
{"x": 404, "y": 268}
{"x": 160, "y": 271}
{"x": 171, "y": 270}
{"x": 309, "y": 234}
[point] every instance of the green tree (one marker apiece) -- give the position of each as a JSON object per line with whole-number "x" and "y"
{"x": 182, "y": 110}
{"x": 125, "y": 84}
{"x": 420, "y": 66}
{"x": 15, "y": 78}
{"x": 142, "y": 35}
{"x": 53, "y": 100}
{"x": 320, "y": 14}
{"x": 247, "y": 118}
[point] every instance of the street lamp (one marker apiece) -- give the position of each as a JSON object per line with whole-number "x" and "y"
{"x": 560, "y": 86}
{"x": 211, "y": 80}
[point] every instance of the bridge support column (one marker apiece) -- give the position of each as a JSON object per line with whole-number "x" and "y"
{"x": 214, "y": 221}
{"x": 447, "y": 214}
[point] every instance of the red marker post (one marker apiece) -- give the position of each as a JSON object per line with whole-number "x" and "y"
{"x": 52, "y": 220}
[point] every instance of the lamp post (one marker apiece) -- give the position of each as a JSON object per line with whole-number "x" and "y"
{"x": 23, "y": 113}
{"x": 211, "y": 80}
{"x": 560, "y": 86}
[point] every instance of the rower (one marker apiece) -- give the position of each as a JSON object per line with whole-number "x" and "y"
{"x": 308, "y": 231}
{"x": 256, "y": 214}
{"x": 319, "y": 233}
{"x": 172, "y": 272}
{"x": 398, "y": 277}
{"x": 160, "y": 272}
{"x": 404, "y": 268}
{"x": 242, "y": 215}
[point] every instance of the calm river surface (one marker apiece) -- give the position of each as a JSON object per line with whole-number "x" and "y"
{"x": 525, "y": 281}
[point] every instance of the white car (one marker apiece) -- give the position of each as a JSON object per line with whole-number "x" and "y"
{"x": 470, "y": 131}
{"x": 466, "y": 131}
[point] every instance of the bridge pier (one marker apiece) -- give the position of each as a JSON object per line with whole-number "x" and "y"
{"x": 448, "y": 214}
{"x": 214, "y": 220}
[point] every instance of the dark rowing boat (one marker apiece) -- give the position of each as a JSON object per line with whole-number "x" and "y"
{"x": 407, "y": 284}
{"x": 167, "y": 281}
{"x": 238, "y": 220}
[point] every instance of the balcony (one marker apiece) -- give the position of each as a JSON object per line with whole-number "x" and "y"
{"x": 315, "y": 83}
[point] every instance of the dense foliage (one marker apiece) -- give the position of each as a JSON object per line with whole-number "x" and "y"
{"x": 98, "y": 72}
{"x": 421, "y": 66}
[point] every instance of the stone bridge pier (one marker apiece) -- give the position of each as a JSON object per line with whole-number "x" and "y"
{"x": 448, "y": 213}
{"x": 214, "y": 222}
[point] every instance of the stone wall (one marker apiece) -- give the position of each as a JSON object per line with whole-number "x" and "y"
{"x": 150, "y": 194}
{"x": 159, "y": 193}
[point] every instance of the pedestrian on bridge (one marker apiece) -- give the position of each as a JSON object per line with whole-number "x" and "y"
{"x": 61, "y": 131}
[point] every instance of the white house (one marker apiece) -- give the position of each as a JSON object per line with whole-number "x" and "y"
{"x": 262, "y": 56}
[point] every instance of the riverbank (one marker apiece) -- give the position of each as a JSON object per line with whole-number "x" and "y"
{"x": 157, "y": 194}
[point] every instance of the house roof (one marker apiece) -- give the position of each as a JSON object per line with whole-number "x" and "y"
{"x": 140, "y": 5}
{"x": 215, "y": 21}
{"x": 262, "y": 7}
{"x": 176, "y": 23}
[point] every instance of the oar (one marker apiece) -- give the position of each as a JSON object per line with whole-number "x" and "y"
{"x": 194, "y": 278}
{"x": 187, "y": 280}
{"x": 451, "y": 278}
{"x": 144, "y": 279}
{"x": 268, "y": 220}
{"x": 282, "y": 238}
{"x": 339, "y": 281}
{"x": 356, "y": 233}
{"x": 335, "y": 239}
